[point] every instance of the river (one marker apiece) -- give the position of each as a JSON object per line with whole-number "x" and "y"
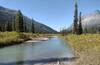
{"x": 34, "y": 52}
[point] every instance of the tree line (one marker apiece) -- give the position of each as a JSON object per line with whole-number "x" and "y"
{"x": 77, "y": 25}
{"x": 17, "y": 24}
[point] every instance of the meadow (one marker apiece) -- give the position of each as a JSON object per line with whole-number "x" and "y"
{"x": 12, "y": 38}
{"x": 86, "y": 47}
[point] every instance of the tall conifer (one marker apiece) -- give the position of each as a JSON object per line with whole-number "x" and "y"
{"x": 33, "y": 28}
{"x": 75, "y": 22}
{"x": 19, "y": 24}
{"x": 80, "y": 30}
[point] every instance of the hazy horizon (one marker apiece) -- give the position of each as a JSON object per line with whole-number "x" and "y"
{"x": 53, "y": 13}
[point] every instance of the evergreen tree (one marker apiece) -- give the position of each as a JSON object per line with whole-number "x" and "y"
{"x": 13, "y": 24}
{"x": 25, "y": 27}
{"x": 63, "y": 31}
{"x": 33, "y": 28}
{"x": 8, "y": 26}
{"x": 75, "y": 25}
{"x": 19, "y": 24}
{"x": 80, "y": 30}
{"x": 3, "y": 27}
{"x": 85, "y": 30}
{"x": 0, "y": 28}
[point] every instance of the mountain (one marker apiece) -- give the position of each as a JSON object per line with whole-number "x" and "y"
{"x": 7, "y": 15}
{"x": 90, "y": 21}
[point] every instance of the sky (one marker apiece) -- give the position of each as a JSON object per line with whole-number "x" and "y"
{"x": 54, "y": 13}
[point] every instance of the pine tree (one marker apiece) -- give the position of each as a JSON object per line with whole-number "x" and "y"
{"x": 19, "y": 24}
{"x": 63, "y": 31}
{"x": 8, "y": 26}
{"x": 25, "y": 27}
{"x": 3, "y": 27}
{"x": 80, "y": 30}
{"x": 13, "y": 24}
{"x": 75, "y": 25}
{"x": 33, "y": 28}
{"x": 0, "y": 28}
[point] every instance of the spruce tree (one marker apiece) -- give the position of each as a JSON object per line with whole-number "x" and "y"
{"x": 13, "y": 24}
{"x": 75, "y": 22}
{"x": 25, "y": 27}
{"x": 19, "y": 26}
{"x": 3, "y": 27}
{"x": 33, "y": 28}
{"x": 80, "y": 30}
{"x": 0, "y": 28}
{"x": 8, "y": 26}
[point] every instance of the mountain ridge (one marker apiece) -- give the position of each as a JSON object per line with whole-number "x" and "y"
{"x": 6, "y": 15}
{"x": 90, "y": 21}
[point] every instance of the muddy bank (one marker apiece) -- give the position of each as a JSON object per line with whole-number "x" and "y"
{"x": 37, "y": 39}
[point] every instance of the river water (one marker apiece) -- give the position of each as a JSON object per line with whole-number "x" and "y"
{"x": 34, "y": 51}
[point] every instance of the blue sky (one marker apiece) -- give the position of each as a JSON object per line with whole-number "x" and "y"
{"x": 54, "y": 13}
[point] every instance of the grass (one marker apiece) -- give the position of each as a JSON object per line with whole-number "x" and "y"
{"x": 86, "y": 47}
{"x": 11, "y": 38}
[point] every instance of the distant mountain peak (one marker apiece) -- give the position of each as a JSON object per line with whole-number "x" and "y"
{"x": 7, "y": 15}
{"x": 7, "y": 10}
{"x": 2, "y": 8}
{"x": 90, "y": 21}
{"x": 97, "y": 11}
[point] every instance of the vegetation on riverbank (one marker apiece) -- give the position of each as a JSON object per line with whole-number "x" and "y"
{"x": 86, "y": 47}
{"x": 11, "y": 38}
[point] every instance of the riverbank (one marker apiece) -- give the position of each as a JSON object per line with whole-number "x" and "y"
{"x": 52, "y": 52}
{"x": 13, "y": 38}
{"x": 86, "y": 47}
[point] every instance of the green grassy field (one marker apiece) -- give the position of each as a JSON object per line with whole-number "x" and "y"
{"x": 11, "y": 38}
{"x": 86, "y": 47}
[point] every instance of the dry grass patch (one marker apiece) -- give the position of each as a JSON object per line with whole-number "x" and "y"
{"x": 11, "y": 38}
{"x": 87, "y": 48}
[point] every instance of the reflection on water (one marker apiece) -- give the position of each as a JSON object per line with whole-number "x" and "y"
{"x": 36, "y": 51}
